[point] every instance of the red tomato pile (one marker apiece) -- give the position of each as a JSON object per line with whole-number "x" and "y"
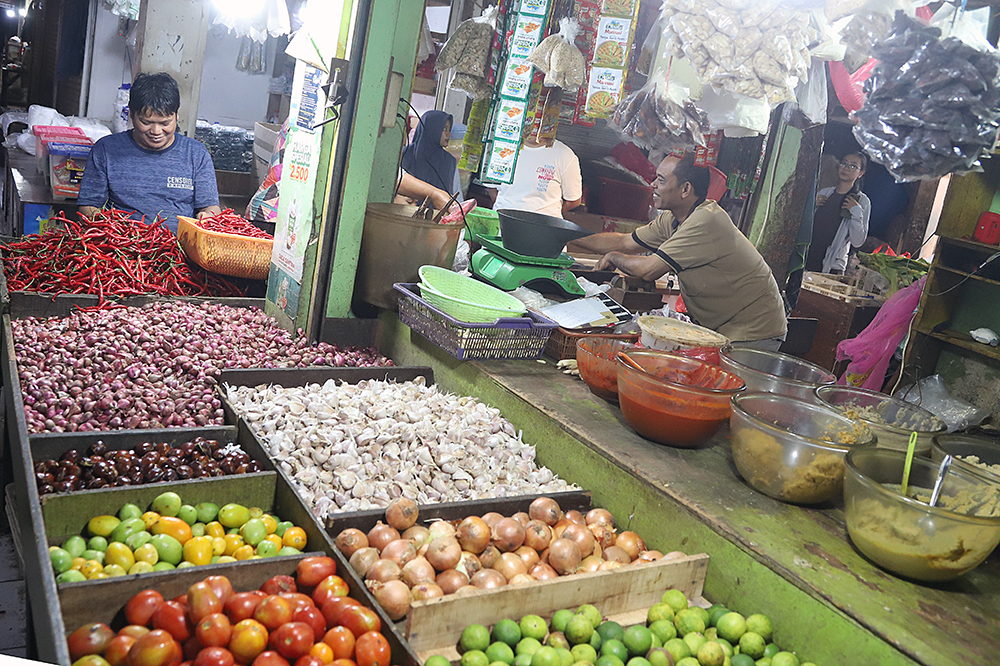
{"x": 307, "y": 620}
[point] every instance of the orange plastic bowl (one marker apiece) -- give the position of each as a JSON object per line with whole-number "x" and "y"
{"x": 597, "y": 361}
{"x": 672, "y": 399}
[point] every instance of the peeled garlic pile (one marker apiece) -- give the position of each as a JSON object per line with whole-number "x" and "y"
{"x": 359, "y": 446}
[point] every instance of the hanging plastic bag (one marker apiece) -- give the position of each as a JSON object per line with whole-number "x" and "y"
{"x": 243, "y": 57}
{"x": 931, "y": 393}
{"x": 559, "y": 58}
{"x": 811, "y": 94}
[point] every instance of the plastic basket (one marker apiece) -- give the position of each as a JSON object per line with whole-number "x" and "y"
{"x": 505, "y": 338}
{"x": 482, "y": 222}
{"x": 226, "y": 254}
{"x": 562, "y": 343}
{"x": 465, "y": 298}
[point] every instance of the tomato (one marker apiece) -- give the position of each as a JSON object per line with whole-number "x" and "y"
{"x": 360, "y": 620}
{"x": 249, "y": 640}
{"x": 222, "y": 587}
{"x": 313, "y": 617}
{"x": 273, "y": 612}
{"x": 214, "y": 656}
{"x": 342, "y": 641}
{"x": 309, "y": 660}
{"x": 141, "y": 606}
{"x": 311, "y": 570}
{"x": 292, "y": 640}
{"x": 270, "y": 658}
{"x": 372, "y": 650}
{"x": 343, "y": 662}
{"x": 330, "y": 586}
{"x": 91, "y": 660}
{"x": 171, "y": 617}
{"x": 171, "y": 526}
{"x": 133, "y": 631}
{"x": 117, "y": 651}
{"x": 294, "y": 537}
{"x": 157, "y": 648}
{"x": 182, "y": 599}
{"x": 191, "y": 648}
{"x": 333, "y": 609}
{"x": 202, "y": 601}
{"x": 214, "y": 630}
{"x": 298, "y": 600}
{"x": 89, "y": 639}
{"x": 322, "y": 651}
{"x": 242, "y": 605}
{"x": 279, "y": 584}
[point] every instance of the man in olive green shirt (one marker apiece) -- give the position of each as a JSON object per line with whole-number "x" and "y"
{"x": 727, "y": 286}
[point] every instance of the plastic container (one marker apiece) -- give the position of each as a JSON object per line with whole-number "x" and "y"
{"x": 66, "y": 163}
{"x": 537, "y": 235}
{"x": 482, "y": 222}
{"x": 906, "y": 536}
{"x": 793, "y": 450}
{"x": 774, "y": 372}
{"x": 597, "y": 361}
{"x": 674, "y": 400}
{"x": 668, "y": 334}
{"x": 464, "y": 298}
{"x": 629, "y": 200}
{"x": 986, "y": 450}
{"x": 891, "y": 419}
{"x": 46, "y": 134}
{"x": 226, "y": 254}
{"x": 394, "y": 246}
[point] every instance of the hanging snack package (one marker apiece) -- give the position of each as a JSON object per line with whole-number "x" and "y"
{"x": 468, "y": 51}
{"x": 933, "y": 105}
{"x": 559, "y": 58}
{"x": 659, "y": 117}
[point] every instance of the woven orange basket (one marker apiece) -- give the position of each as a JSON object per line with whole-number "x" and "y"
{"x": 226, "y": 254}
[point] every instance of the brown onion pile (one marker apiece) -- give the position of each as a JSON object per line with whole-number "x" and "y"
{"x": 486, "y": 552}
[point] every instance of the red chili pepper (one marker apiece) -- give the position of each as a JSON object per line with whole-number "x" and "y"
{"x": 230, "y": 222}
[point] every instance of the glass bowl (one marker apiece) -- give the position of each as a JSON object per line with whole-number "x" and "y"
{"x": 774, "y": 372}
{"x": 673, "y": 399}
{"x": 906, "y": 536}
{"x": 891, "y": 419}
{"x": 597, "y": 361}
{"x": 978, "y": 451}
{"x": 791, "y": 449}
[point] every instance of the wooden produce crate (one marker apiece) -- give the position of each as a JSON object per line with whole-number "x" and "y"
{"x": 623, "y": 595}
{"x": 562, "y": 343}
{"x": 840, "y": 287}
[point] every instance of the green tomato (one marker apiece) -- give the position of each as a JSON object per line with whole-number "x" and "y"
{"x": 184, "y": 565}
{"x": 254, "y": 531}
{"x": 168, "y": 548}
{"x": 75, "y": 545}
{"x": 71, "y": 576}
{"x": 129, "y": 511}
{"x": 207, "y": 512}
{"x": 267, "y": 549}
{"x": 233, "y": 515}
{"x": 163, "y": 566}
{"x": 167, "y": 504}
{"x": 188, "y": 514}
{"x": 288, "y": 550}
{"x": 91, "y": 554}
{"x": 127, "y": 528}
{"x": 97, "y": 543}
{"x": 198, "y": 529}
{"x": 61, "y": 559}
{"x": 138, "y": 540}
{"x": 282, "y": 526}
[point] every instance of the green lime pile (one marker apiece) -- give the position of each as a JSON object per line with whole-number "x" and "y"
{"x": 675, "y": 634}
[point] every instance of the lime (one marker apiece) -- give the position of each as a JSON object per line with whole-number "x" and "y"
{"x": 660, "y": 611}
{"x": 475, "y": 637}
{"x": 712, "y": 634}
{"x": 591, "y": 613}
{"x": 638, "y": 661}
{"x": 638, "y": 639}
{"x": 771, "y": 649}
{"x": 557, "y": 639}
{"x": 61, "y": 559}
{"x": 687, "y": 621}
{"x": 188, "y": 514}
{"x": 700, "y": 612}
{"x": 741, "y": 660}
{"x": 596, "y": 641}
{"x": 507, "y": 631}
{"x": 71, "y": 576}
{"x": 166, "y": 504}
{"x": 807, "y": 663}
{"x": 694, "y": 641}
{"x": 500, "y": 652}
{"x": 584, "y": 652}
{"x": 660, "y": 657}
{"x": 437, "y": 660}
{"x": 711, "y": 654}
{"x": 609, "y": 660}
{"x": 727, "y": 647}
{"x": 565, "y": 656}
{"x": 475, "y": 658}
{"x": 533, "y": 626}
{"x": 523, "y": 659}
{"x": 760, "y": 624}
{"x": 527, "y": 645}
{"x": 97, "y": 543}
{"x": 75, "y": 545}
{"x": 560, "y": 619}
{"x": 677, "y": 648}
{"x": 664, "y": 630}
{"x": 688, "y": 661}
{"x": 579, "y": 630}
{"x": 656, "y": 641}
{"x": 731, "y": 626}
{"x": 716, "y": 611}
{"x": 615, "y": 648}
{"x": 129, "y": 510}
{"x": 763, "y": 661}
{"x": 784, "y": 659}
{"x": 546, "y": 656}
{"x": 609, "y": 630}
{"x": 675, "y": 599}
{"x": 753, "y": 644}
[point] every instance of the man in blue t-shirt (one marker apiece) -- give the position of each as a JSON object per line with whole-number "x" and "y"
{"x": 151, "y": 169}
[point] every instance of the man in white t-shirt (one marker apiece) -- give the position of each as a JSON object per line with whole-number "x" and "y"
{"x": 546, "y": 180}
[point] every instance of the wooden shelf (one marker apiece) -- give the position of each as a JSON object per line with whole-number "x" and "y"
{"x": 971, "y": 276}
{"x": 969, "y": 243}
{"x": 963, "y": 340}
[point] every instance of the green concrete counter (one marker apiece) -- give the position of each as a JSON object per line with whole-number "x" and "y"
{"x": 794, "y": 564}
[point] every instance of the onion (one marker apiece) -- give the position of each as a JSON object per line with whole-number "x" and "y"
{"x": 560, "y": 527}
{"x": 576, "y": 517}
{"x": 579, "y": 534}
{"x": 521, "y": 579}
{"x": 537, "y": 535}
{"x": 426, "y": 591}
{"x": 422, "y": 551}
{"x": 601, "y": 517}
{"x": 443, "y": 553}
{"x": 521, "y": 517}
{"x": 564, "y": 556}
{"x": 490, "y": 556}
{"x": 492, "y": 518}
{"x": 543, "y": 556}
{"x": 489, "y": 579}
{"x": 399, "y": 551}
{"x": 591, "y": 563}
{"x": 473, "y": 534}
{"x": 674, "y": 555}
{"x": 609, "y": 565}
{"x": 543, "y": 571}
{"x": 598, "y": 551}
{"x": 394, "y": 597}
{"x": 418, "y": 570}
{"x": 383, "y": 571}
{"x": 616, "y": 554}
{"x": 380, "y": 536}
{"x": 509, "y": 565}
{"x": 528, "y": 555}
{"x": 631, "y": 543}
{"x": 441, "y": 528}
{"x": 362, "y": 559}
{"x": 451, "y": 580}
{"x": 508, "y": 535}
{"x": 605, "y": 537}
{"x": 546, "y": 510}
{"x": 401, "y": 513}
{"x": 350, "y": 541}
{"x": 466, "y": 590}
{"x": 418, "y": 534}
{"x": 468, "y": 564}
{"x": 649, "y": 556}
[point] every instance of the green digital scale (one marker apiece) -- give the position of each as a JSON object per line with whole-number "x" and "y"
{"x": 508, "y": 270}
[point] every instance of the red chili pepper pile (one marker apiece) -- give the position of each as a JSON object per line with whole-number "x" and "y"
{"x": 112, "y": 255}
{"x": 230, "y": 222}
